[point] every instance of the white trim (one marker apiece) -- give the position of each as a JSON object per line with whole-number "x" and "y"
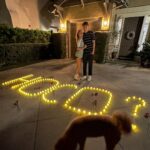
{"x": 143, "y": 33}
{"x": 134, "y": 11}
{"x": 82, "y": 19}
{"x": 121, "y": 35}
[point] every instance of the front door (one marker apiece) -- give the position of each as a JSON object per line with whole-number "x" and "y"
{"x": 130, "y": 37}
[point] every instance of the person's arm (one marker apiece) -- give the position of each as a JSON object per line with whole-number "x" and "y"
{"x": 94, "y": 43}
{"x": 93, "y": 52}
{"x": 80, "y": 49}
{"x": 85, "y": 46}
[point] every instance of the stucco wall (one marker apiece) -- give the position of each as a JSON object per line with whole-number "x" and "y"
{"x": 5, "y": 17}
{"x": 43, "y": 14}
{"x": 32, "y": 14}
{"x": 24, "y": 13}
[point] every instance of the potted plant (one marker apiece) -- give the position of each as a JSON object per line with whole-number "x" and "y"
{"x": 145, "y": 55}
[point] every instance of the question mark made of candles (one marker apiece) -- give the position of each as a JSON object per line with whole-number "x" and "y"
{"x": 141, "y": 103}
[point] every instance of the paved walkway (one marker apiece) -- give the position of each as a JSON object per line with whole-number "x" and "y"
{"x": 36, "y": 125}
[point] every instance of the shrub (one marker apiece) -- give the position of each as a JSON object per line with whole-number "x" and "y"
{"x": 23, "y": 53}
{"x": 17, "y": 35}
{"x": 21, "y": 46}
{"x": 101, "y": 41}
{"x": 145, "y": 55}
{"x": 58, "y": 45}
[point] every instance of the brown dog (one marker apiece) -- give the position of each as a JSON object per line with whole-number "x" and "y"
{"x": 111, "y": 127}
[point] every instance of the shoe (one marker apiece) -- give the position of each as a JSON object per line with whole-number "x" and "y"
{"x": 76, "y": 77}
{"x": 89, "y": 78}
{"x": 84, "y": 78}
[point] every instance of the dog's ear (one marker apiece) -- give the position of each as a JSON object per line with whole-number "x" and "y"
{"x": 124, "y": 122}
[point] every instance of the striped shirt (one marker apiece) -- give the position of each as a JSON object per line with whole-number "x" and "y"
{"x": 88, "y": 38}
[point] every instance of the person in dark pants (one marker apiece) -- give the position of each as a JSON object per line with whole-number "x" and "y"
{"x": 88, "y": 54}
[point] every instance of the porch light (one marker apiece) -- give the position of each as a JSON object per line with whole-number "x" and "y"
{"x": 105, "y": 24}
{"x": 63, "y": 26}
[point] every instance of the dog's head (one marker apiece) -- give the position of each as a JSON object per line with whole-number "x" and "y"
{"x": 123, "y": 121}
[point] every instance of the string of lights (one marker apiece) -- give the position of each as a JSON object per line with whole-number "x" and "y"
{"x": 21, "y": 79}
{"x": 34, "y": 94}
{"x": 142, "y": 103}
{"x": 138, "y": 106}
{"x": 26, "y": 82}
{"x": 44, "y": 96}
{"x": 83, "y": 111}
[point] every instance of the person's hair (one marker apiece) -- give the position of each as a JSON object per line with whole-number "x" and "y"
{"x": 85, "y": 23}
{"x": 78, "y": 34}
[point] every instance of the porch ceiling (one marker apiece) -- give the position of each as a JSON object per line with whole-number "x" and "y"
{"x": 73, "y": 2}
{"x": 78, "y": 2}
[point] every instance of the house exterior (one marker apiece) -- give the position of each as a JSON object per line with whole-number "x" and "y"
{"x": 126, "y": 21}
{"x": 127, "y": 25}
{"x": 130, "y": 29}
{"x": 93, "y": 12}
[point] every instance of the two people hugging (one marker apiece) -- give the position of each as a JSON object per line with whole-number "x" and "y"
{"x": 85, "y": 41}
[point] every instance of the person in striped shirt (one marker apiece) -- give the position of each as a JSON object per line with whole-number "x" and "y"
{"x": 89, "y": 51}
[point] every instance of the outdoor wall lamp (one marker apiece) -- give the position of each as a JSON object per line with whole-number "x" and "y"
{"x": 63, "y": 26}
{"x": 105, "y": 24}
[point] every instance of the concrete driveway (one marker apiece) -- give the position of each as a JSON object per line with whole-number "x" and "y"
{"x": 36, "y": 125}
